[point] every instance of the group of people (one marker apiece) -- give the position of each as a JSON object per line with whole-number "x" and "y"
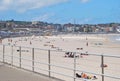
{"x": 70, "y": 54}
{"x": 85, "y": 76}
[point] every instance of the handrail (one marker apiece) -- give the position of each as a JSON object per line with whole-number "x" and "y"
{"x": 107, "y": 55}
{"x": 64, "y": 67}
{"x": 55, "y": 65}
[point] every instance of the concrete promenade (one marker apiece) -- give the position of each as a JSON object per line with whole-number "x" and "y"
{"x": 9, "y": 73}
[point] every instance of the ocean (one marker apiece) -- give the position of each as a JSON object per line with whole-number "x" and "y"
{"x": 115, "y": 38}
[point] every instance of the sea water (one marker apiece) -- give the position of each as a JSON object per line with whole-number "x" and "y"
{"x": 115, "y": 38}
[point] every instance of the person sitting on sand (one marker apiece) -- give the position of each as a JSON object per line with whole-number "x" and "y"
{"x": 67, "y": 54}
{"x": 71, "y": 55}
{"x": 104, "y": 65}
{"x": 79, "y": 48}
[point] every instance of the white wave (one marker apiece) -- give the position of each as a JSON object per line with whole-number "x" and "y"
{"x": 118, "y": 39}
{"x": 118, "y": 30}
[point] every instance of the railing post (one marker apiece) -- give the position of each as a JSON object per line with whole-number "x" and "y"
{"x": 102, "y": 66}
{"x": 49, "y": 66}
{"x": 74, "y": 66}
{"x": 3, "y": 53}
{"x": 11, "y": 55}
{"x": 33, "y": 59}
{"x": 20, "y": 56}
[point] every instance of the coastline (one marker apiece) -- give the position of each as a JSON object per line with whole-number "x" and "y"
{"x": 70, "y": 42}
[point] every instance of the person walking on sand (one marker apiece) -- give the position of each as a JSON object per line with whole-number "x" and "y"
{"x": 87, "y": 44}
{"x": 30, "y": 42}
{"x": 0, "y": 41}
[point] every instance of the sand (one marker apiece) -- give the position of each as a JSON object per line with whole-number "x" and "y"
{"x": 91, "y": 44}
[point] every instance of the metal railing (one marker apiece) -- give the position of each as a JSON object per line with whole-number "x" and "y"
{"x": 32, "y": 59}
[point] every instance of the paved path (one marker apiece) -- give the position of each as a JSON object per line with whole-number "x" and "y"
{"x": 9, "y": 73}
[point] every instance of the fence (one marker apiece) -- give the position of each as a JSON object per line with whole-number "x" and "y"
{"x": 54, "y": 63}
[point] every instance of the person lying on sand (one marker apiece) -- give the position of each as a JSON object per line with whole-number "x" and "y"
{"x": 85, "y": 76}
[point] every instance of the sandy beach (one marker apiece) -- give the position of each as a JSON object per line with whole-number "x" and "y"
{"x": 91, "y": 44}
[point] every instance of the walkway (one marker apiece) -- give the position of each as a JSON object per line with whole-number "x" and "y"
{"x": 9, "y": 73}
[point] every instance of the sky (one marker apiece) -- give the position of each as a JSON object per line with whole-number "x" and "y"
{"x": 61, "y": 11}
